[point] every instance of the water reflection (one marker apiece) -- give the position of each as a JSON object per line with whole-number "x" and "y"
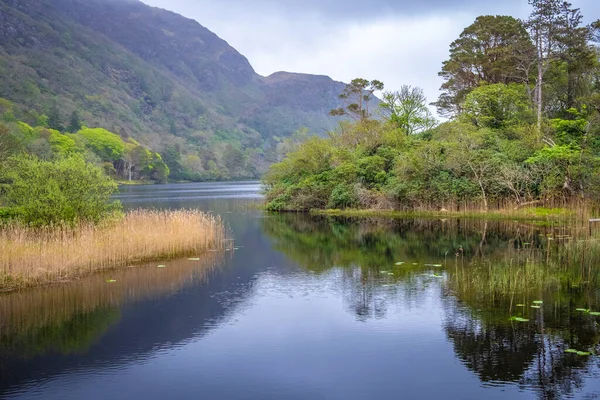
{"x": 311, "y": 307}
{"x": 486, "y": 272}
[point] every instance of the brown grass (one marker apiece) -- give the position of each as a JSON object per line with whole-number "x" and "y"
{"x": 30, "y": 257}
{"x": 26, "y": 310}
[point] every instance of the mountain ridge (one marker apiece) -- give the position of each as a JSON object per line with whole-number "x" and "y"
{"x": 155, "y": 75}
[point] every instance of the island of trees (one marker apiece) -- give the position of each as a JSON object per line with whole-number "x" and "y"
{"x": 522, "y": 106}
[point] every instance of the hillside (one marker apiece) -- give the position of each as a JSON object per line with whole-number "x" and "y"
{"x": 158, "y": 77}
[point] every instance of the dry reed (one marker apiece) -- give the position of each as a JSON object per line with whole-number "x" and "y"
{"x": 27, "y": 310}
{"x": 30, "y": 257}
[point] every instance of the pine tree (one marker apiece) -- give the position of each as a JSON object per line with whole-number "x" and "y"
{"x": 75, "y": 123}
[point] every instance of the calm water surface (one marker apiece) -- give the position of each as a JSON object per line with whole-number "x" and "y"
{"x": 307, "y": 308}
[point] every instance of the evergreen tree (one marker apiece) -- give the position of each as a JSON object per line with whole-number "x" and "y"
{"x": 55, "y": 119}
{"x": 75, "y": 123}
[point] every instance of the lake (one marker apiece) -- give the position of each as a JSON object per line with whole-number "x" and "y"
{"x": 309, "y": 307}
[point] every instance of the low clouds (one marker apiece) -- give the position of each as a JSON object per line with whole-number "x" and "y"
{"x": 397, "y": 42}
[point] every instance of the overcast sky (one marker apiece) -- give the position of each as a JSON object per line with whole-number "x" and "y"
{"x": 395, "y": 41}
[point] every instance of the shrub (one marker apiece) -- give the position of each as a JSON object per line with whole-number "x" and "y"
{"x": 65, "y": 191}
{"x": 343, "y": 196}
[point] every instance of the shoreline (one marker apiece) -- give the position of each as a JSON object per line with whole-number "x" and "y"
{"x": 31, "y": 257}
{"x": 536, "y": 214}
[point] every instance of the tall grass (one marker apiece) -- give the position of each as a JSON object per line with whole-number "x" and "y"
{"x": 30, "y": 257}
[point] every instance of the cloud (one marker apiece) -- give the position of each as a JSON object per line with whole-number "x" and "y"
{"x": 397, "y": 42}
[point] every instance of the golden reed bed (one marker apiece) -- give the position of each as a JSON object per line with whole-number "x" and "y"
{"x": 30, "y": 257}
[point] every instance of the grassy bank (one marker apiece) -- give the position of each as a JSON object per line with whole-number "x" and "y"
{"x": 30, "y": 257}
{"x": 539, "y": 213}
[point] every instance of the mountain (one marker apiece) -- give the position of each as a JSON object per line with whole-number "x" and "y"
{"x": 158, "y": 77}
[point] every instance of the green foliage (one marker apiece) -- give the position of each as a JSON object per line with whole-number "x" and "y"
{"x": 408, "y": 110}
{"x": 492, "y": 50}
{"x": 106, "y": 145}
{"x": 358, "y": 95}
{"x": 65, "y": 191}
{"x": 75, "y": 123}
{"x": 343, "y": 196}
{"x": 498, "y": 106}
{"x": 62, "y": 145}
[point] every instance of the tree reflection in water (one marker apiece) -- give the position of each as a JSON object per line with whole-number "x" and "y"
{"x": 488, "y": 268}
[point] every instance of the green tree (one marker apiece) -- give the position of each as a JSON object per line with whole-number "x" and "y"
{"x": 64, "y": 191}
{"x": 556, "y": 30}
{"x": 9, "y": 143}
{"x": 55, "y": 119}
{"x": 494, "y": 49}
{"x": 497, "y": 106}
{"x": 107, "y": 145}
{"x": 75, "y": 123}
{"x": 407, "y": 109}
{"x": 172, "y": 157}
{"x": 358, "y": 94}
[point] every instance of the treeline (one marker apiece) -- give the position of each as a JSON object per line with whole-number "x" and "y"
{"x": 51, "y": 135}
{"x": 523, "y": 103}
{"x": 49, "y": 139}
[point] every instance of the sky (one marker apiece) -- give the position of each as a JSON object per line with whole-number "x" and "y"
{"x": 395, "y": 41}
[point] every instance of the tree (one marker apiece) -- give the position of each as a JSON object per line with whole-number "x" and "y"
{"x": 9, "y": 144}
{"x": 64, "y": 191}
{"x": 55, "y": 119}
{"x": 494, "y": 49}
{"x": 575, "y": 52}
{"x": 75, "y": 123}
{"x": 107, "y": 145}
{"x": 172, "y": 157}
{"x": 358, "y": 95}
{"x": 407, "y": 109}
{"x": 546, "y": 24}
{"x": 497, "y": 106}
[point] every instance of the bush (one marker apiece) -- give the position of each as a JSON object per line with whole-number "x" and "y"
{"x": 343, "y": 196}
{"x": 65, "y": 191}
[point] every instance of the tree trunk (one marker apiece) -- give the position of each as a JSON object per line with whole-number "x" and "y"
{"x": 540, "y": 83}
{"x": 485, "y": 202}
{"x": 540, "y": 79}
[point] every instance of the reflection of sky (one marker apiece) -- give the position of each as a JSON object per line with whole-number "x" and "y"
{"x": 293, "y": 339}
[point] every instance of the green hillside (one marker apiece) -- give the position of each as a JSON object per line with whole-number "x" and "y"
{"x": 158, "y": 78}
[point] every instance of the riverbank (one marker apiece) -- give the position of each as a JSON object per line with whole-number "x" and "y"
{"x": 33, "y": 257}
{"x": 538, "y": 214}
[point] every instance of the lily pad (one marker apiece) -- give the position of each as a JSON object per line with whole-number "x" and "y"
{"x": 162, "y": 266}
{"x": 595, "y": 313}
{"x": 585, "y": 310}
{"x": 434, "y": 265}
{"x": 538, "y": 302}
{"x": 520, "y": 305}
{"x": 573, "y": 351}
{"x": 111, "y": 281}
{"x": 436, "y": 276}
{"x": 536, "y": 307}
{"x": 584, "y": 353}
{"x": 194, "y": 259}
{"x": 519, "y": 319}
{"x": 400, "y": 263}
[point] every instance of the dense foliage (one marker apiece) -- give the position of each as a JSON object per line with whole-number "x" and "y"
{"x": 67, "y": 190}
{"x": 497, "y": 149}
{"x": 124, "y": 159}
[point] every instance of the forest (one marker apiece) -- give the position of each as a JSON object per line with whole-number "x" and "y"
{"x": 521, "y": 108}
